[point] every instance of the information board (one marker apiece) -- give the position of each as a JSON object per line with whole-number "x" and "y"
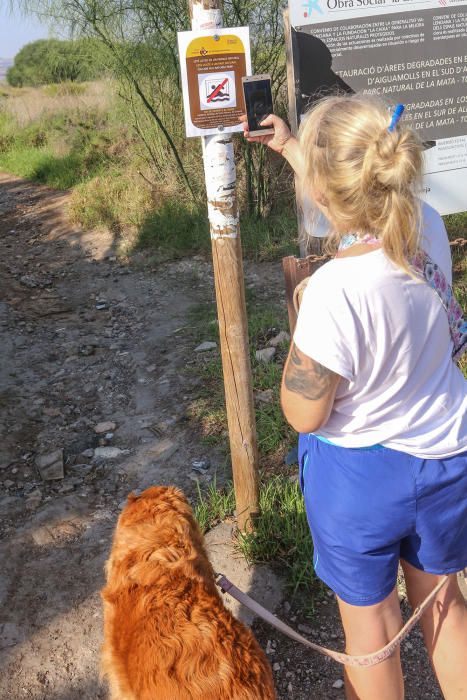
{"x": 409, "y": 51}
{"x": 212, "y": 65}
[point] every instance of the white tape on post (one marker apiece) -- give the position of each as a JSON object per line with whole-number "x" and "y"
{"x": 218, "y": 155}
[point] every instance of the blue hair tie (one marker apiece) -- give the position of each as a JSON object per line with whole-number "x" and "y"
{"x": 396, "y": 115}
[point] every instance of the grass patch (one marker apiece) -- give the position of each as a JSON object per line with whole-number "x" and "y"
{"x": 214, "y": 505}
{"x": 113, "y": 198}
{"x": 281, "y": 536}
{"x": 44, "y": 166}
{"x": 271, "y": 238}
{"x": 274, "y": 435}
{"x": 176, "y": 228}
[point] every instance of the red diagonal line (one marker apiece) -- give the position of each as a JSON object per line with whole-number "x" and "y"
{"x": 217, "y": 90}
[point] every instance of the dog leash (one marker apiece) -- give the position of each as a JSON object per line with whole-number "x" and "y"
{"x": 376, "y": 657}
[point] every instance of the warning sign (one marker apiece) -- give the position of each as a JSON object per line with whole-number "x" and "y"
{"x": 212, "y": 67}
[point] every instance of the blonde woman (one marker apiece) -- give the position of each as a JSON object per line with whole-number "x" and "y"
{"x": 371, "y": 386}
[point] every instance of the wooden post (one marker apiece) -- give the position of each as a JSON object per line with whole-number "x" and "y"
{"x": 220, "y": 173}
{"x": 308, "y": 244}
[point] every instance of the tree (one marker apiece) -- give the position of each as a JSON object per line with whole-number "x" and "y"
{"x": 53, "y": 61}
{"x": 141, "y": 37}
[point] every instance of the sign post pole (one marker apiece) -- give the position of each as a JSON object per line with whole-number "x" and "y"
{"x": 220, "y": 174}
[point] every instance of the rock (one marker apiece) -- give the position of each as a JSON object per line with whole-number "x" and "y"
{"x": 105, "y": 427}
{"x": 50, "y": 466}
{"x": 206, "y": 346}
{"x": 338, "y": 684}
{"x": 51, "y": 412}
{"x": 200, "y": 465}
{"x": 88, "y": 454}
{"x": 29, "y": 281}
{"x": 265, "y": 355}
{"x": 276, "y": 667}
{"x": 33, "y": 500}
{"x": 42, "y": 537}
{"x": 162, "y": 449}
{"x": 269, "y": 648}
{"x": 8, "y": 483}
{"x": 10, "y": 635}
{"x": 66, "y": 488}
{"x": 265, "y": 396}
{"x": 109, "y": 452}
{"x": 282, "y": 337}
{"x": 306, "y": 629}
{"x": 268, "y": 587}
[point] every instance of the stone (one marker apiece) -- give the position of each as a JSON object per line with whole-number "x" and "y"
{"x": 33, "y": 499}
{"x": 162, "y": 449}
{"x": 66, "y": 488}
{"x": 105, "y": 427}
{"x": 50, "y": 466}
{"x": 10, "y": 635}
{"x": 42, "y": 537}
{"x": 338, "y": 684}
{"x": 223, "y": 555}
{"x": 306, "y": 629}
{"x": 88, "y": 454}
{"x": 206, "y": 346}
{"x": 109, "y": 452}
{"x": 265, "y": 355}
{"x": 51, "y": 412}
{"x": 282, "y": 337}
{"x": 8, "y": 483}
{"x": 265, "y": 396}
{"x": 276, "y": 667}
{"x": 200, "y": 465}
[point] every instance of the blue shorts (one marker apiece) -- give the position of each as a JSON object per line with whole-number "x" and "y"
{"x": 368, "y": 507}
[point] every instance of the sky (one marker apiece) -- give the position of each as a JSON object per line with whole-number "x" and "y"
{"x": 16, "y": 31}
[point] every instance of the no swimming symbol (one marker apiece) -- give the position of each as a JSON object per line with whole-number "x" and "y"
{"x": 219, "y": 92}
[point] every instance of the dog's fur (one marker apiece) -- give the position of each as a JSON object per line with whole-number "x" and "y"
{"x": 167, "y": 633}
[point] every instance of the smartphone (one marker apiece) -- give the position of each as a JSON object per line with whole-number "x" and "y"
{"x": 258, "y": 102}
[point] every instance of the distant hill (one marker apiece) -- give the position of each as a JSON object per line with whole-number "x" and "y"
{"x": 5, "y": 63}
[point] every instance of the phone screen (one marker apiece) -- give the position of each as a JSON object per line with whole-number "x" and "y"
{"x": 258, "y": 101}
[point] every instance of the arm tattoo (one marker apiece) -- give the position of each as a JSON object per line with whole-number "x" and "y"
{"x": 311, "y": 382}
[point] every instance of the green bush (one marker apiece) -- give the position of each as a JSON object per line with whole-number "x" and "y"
{"x": 53, "y": 61}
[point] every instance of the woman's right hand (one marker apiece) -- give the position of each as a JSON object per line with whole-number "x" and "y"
{"x": 275, "y": 141}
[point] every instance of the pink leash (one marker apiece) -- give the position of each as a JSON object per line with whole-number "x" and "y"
{"x": 376, "y": 657}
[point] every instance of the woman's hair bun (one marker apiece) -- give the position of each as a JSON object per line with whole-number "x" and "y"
{"x": 393, "y": 160}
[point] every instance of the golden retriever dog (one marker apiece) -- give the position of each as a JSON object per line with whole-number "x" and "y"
{"x": 167, "y": 634}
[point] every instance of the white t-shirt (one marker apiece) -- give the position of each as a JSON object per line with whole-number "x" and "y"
{"x": 388, "y": 336}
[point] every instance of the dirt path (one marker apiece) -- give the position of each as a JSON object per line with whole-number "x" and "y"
{"x": 84, "y": 340}
{"x": 87, "y": 340}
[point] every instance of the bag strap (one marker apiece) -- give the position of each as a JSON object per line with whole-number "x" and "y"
{"x": 436, "y": 279}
